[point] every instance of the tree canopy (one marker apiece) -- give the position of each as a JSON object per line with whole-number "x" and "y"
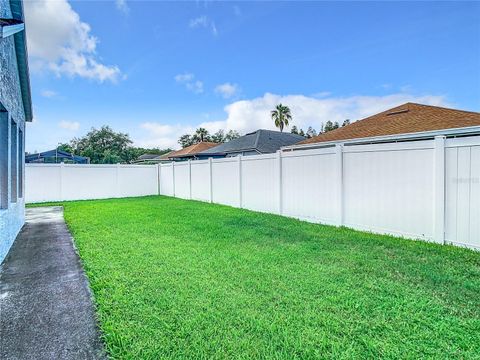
{"x": 311, "y": 132}
{"x": 105, "y": 146}
{"x": 202, "y": 134}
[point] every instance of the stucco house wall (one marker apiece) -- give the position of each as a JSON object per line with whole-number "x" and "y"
{"x": 13, "y": 217}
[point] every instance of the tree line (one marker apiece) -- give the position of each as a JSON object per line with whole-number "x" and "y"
{"x": 282, "y": 116}
{"x": 202, "y": 134}
{"x": 105, "y": 146}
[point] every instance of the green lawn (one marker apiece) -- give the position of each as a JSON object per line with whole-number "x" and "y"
{"x": 183, "y": 279}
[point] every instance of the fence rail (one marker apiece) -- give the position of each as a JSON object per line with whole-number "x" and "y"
{"x": 427, "y": 189}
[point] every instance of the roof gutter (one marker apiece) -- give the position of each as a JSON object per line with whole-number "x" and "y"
{"x": 471, "y": 130}
{"x": 225, "y": 153}
{"x": 16, "y": 7}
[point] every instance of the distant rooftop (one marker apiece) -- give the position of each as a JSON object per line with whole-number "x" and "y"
{"x": 263, "y": 141}
{"x": 403, "y": 119}
{"x": 192, "y": 150}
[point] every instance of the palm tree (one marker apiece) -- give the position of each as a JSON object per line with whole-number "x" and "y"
{"x": 201, "y": 134}
{"x": 281, "y": 116}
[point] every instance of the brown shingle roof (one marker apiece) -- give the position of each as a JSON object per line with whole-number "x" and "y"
{"x": 192, "y": 149}
{"x": 403, "y": 119}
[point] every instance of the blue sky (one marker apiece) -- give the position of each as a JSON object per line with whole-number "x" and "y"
{"x": 159, "y": 69}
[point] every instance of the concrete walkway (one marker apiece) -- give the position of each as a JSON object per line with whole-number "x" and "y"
{"x": 46, "y": 310}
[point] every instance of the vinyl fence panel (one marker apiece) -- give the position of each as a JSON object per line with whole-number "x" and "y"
{"x": 226, "y": 182}
{"x": 136, "y": 180}
{"x": 309, "y": 185}
{"x": 462, "y": 196}
{"x": 259, "y": 183}
{"x": 182, "y": 180}
{"x": 389, "y": 189}
{"x": 166, "y": 172}
{"x": 200, "y": 180}
{"x": 42, "y": 183}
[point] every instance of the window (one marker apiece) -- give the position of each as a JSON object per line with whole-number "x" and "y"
{"x": 20, "y": 163}
{"x": 3, "y": 158}
{"x": 13, "y": 162}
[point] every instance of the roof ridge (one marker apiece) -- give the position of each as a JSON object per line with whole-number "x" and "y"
{"x": 442, "y": 107}
{"x": 255, "y": 145}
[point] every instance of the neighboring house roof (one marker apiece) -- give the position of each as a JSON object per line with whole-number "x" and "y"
{"x": 192, "y": 150}
{"x": 403, "y": 119}
{"x": 263, "y": 141}
{"x": 20, "y": 41}
{"x": 164, "y": 156}
{"x": 147, "y": 156}
{"x": 152, "y": 158}
{"x": 58, "y": 154}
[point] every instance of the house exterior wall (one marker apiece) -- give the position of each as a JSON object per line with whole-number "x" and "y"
{"x": 12, "y": 217}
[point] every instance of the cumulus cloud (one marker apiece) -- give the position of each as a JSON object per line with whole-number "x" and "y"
{"x": 122, "y": 6}
{"x": 250, "y": 115}
{"x": 203, "y": 22}
{"x": 162, "y": 135}
{"x": 227, "y": 90}
{"x": 48, "y": 93}
{"x": 69, "y": 125}
{"x": 60, "y": 42}
{"x": 188, "y": 79}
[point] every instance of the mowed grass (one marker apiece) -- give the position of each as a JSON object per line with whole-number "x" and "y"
{"x": 184, "y": 279}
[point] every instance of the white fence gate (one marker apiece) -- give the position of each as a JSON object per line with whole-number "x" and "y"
{"x": 427, "y": 189}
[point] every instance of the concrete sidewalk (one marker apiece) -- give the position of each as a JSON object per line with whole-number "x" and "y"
{"x": 46, "y": 310}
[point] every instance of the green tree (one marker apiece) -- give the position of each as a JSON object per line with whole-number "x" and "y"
{"x": 329, "y": 126}
{"x": 66, "y": 147}
{"x": 311, "y": 132}
{"x": 103, "y": 146}
{"x": 218, "y": 137}
{"x": 346, "y": 122}
{"x": 231, "y": 135}
{"x": 201, "y": 135}
{"x": 186, "y": 140}
{"x": 281, "y": 116}
{"x": 294, "y": 130}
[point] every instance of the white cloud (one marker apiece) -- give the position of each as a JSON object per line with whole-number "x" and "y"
{"x": 203, "y": 22}
{"x": 163, "y": 135}
{"x": 69, "y": 125}
{"x": 196, "y": 87}
{"x": 188, "y": 79}
{"x": 48, "y": 93}
{"x": 227, "y": 90}
{"x": 122, "y": 6}
{"x": 250, "y": 115}
{"x": 60, "y": 42}
{"x": 214, "y": 29}
{"x": 321, "y": 94}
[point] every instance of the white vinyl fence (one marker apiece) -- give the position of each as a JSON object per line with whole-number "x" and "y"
{"x": 58, "y": 182}
{"x": 427, "y": 189}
